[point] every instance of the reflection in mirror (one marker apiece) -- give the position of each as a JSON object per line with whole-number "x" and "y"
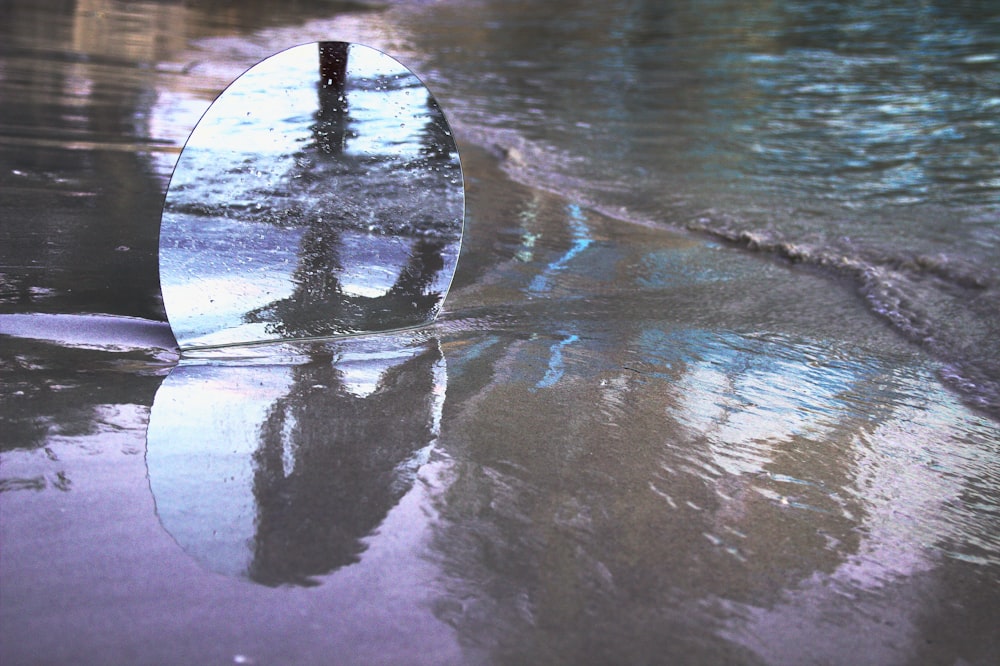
{"x": 278, "y": 469}
{"x": 321, "y": 194}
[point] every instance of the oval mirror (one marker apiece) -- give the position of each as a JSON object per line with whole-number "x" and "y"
{"x": 321, "y": 194}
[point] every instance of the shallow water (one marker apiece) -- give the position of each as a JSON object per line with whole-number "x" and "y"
{"x": 627, "y": 440}
{"x": 861, "y": 140}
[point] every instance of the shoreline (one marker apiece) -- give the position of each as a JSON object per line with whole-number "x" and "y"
{"x": 619, "y": 442}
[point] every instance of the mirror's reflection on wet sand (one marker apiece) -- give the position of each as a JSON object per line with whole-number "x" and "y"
{"x": 276, "y": 468}
{"x": 321, "y": 194}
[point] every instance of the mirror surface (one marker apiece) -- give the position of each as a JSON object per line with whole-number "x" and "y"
{"x": 280, "y": 469}
{"x": 321, "y": 194}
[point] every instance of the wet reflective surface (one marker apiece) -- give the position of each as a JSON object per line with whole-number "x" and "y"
{"x": 320, "y": 194}
{"x": 278, "y": 468}
{"x": 622, "y": 441}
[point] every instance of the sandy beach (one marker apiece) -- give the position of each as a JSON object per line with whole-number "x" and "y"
{"x": 647, "y": 428}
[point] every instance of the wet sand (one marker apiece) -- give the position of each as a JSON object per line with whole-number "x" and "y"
{"x": 616, "y": 475}
{"x": 619, "y": 444}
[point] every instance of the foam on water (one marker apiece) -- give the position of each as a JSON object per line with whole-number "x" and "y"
{"x": 863, "y": 143}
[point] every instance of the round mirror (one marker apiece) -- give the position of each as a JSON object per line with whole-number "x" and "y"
{"x": 321, "y": 194}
